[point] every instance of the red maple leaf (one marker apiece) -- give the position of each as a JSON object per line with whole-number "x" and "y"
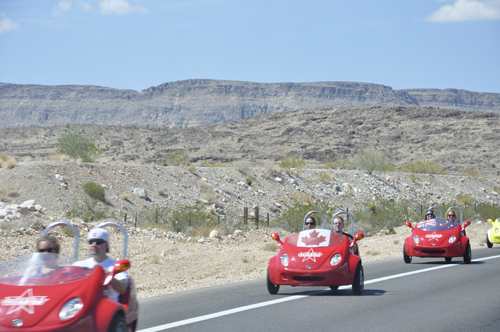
{"x": 313, "y": 239}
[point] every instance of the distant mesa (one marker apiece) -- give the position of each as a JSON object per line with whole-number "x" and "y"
{"x": 205, "y": 102}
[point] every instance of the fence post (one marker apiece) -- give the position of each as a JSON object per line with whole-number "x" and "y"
{"x": 245, "y": 215}
{"x": 257, "y": 216}
{"x": 125, "y": 219}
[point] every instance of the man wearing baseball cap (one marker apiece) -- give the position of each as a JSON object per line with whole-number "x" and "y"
{"x": 98, "y": 248}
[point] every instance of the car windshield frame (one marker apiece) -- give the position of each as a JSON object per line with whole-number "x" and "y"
{"x": 33, "y": 270}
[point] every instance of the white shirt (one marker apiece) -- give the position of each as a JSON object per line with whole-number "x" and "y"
{"x": 108, "y": 265}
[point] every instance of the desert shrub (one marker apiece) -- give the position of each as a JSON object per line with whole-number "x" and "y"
{"x": 8, "y": 161}
{"x": 248, "y": 180}
{"x": 207, "y": 191}
{"x": 59, "y": 157}
{"x": 424, "y": 167}
{"x": 293, "y": 219}
{"x": 76, "y": 146}
{"x": 465, "y": 199}
{"x": 103, "y": 161}
{"x": 270, "y": 169}
{"x": 472, "y": 172}
{"x": 242, "y": 166}
{"x": 127, "y": 196}
{"x": 486, "y": 211}
{"x": 271, "y": 246}
{"x": 369, "y": 161}
{"x": 94, "y": 190}
{"x": 301, "y": 198}
{"x": 496, "y": 189}
{"x": 176, "y": 159}
{"x": 292, "y": 161}
{"x": 324, "y": 177}
{"x": 191, "y": 168}
{"x": 188, "y": 218}
{"x": 338, "y": 163}
{"x": 384, "y": 214}
{"x": 90, "y": 210}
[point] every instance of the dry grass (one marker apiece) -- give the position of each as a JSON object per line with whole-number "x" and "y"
{"x": 59, "y": 157}
{"x": 127, "y": 196}
{"x": 103, "y": 161}
{"x": 191, "y": 168}
{"x": 8, "y": 161}
{"x": 271, "y": 246}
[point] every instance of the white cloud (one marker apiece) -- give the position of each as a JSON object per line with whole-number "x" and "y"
{"x": 61, "y": 8}
{"x": 467, "y": 10}
{"x": 85, "y": 6}
{"x": 119, "y": 7}
{"x": 6, "y": 24}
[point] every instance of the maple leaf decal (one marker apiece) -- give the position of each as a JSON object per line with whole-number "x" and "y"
{"x": 313, "y": 239}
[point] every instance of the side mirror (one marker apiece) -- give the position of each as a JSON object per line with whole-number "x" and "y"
{"x": 276, "y": 238}
{"x": 467, "y": 223}
{"x": 408, "y": 224}
{"x": 357, "y": 237}
{"x": 118, "y": 267}
{"x": 491, "y": 221}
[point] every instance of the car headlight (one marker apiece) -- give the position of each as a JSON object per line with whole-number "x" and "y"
{"x": 496, "y": 230}
{"x": 416, "y": 239}
{"x": 284, "y": 260}
{"x": 71, "y": 308}
{"x": 452, "y": 239}
{"x": 335, "y": 259}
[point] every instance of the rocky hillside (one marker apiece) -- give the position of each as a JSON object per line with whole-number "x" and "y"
{"x": 456, "y": 140}
{"x": 204, "y": 102}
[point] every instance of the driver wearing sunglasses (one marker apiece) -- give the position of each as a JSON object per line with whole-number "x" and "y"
{"x": 98, "y": 248}
{"x": 451, "y": 216}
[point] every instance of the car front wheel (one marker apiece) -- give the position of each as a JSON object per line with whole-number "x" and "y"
{"x": 358, "y": 284}
{"x": 488, "y": 243}
{"x": 272, "y": 288}
{"x": 118, "y": 324}
{"x": 468, "y": 254}
{"x": 406, "y": 258}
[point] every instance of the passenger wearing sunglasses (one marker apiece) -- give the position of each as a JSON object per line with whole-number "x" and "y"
{"x": 310, "y": 223}
{"x": 48, "y": 252}
{"x": 98, "y": 249}
{"x": 451, "y": 216}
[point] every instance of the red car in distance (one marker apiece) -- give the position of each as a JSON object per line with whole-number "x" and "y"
{"x": 438, "y": 238}
{"x": 317, "y": 257}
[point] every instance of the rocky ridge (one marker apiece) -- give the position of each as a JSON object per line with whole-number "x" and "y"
{"x": 204, "y": 102}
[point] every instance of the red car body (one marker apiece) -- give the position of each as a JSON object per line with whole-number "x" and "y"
{"x": 35, "y": 303}
{"x": 316, "y": 257}
{"x": 437, "y": 238}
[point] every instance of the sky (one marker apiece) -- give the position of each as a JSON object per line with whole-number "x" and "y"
{"x": 137, "y": 44}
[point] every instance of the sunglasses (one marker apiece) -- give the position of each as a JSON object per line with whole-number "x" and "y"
{"x": 52, "y": 250}
{"x": 97, "y": 241}
{"x": 310, "y": 223}
{"x": 451, "y": 215}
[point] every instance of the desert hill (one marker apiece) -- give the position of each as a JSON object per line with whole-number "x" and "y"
{"x": 455, "y": 140}
{"x": 205, "y": 102}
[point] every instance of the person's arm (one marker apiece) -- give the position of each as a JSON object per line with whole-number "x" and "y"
{"x": 119, "y": 285}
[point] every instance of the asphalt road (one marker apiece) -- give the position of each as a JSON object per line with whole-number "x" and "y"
{"x": 427, "y": 294}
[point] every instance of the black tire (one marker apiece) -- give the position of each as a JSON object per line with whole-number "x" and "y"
{"x": 488, "y": 243}
{"x": 358, "y": 285}
{"x": 448, "y": 259}
{"x": 271, "y": 288}
{"x": 118, "y": 324}
{"x": 468, "y": 254}
{"x": 406, "y": 258}
{"x": 334, "y": 287}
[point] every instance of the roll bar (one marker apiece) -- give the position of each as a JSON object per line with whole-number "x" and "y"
{"x": 350, "y": 215}
{"x": 313, "y": 212}
{"x": 125, "y": 237}
{"x": 75, "y": 231}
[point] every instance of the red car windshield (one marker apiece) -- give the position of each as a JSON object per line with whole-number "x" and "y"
{"x": 315, "y": 238}
{"x": 436, "y": 225}
{"x": 41, "y": 269}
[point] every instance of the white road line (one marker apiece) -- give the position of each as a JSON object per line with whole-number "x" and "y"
{"x": 293, "y": 298}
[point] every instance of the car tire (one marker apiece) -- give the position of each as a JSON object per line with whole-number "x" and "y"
{"x": 334, "y": 287}
{"x": 406, "y": 258}
{"x": 272, "y": 288}
{"x": 488, "y": 243}
{"x": 118, "y": 324}
{"x": 448, "y": 259}
{"x": 358, "y": 284}
{"x": 467, "y": 254}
